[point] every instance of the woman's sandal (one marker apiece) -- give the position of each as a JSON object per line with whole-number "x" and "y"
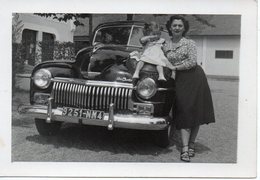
{"x": 185, "y": 156}
{"x": 191, "y": 152}
{"x": 191, "y": 149}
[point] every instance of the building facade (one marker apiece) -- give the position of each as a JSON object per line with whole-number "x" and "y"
{"x": 219, "y": 47}
{"x": 39, "y": 34}
{"x": 218, "y": 55}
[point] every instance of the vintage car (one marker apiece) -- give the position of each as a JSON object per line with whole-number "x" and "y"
{"x": 97, "y": 87}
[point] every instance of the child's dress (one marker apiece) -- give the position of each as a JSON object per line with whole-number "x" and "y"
{"x": 152, "y": 53}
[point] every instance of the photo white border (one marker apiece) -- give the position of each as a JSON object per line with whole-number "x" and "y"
{"x": 246, "y": 159}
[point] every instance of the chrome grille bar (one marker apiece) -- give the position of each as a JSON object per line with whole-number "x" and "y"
{"x": 92, "y": 97}
{"x": 84, "y": 97}
{"x": 61, "y": 86}
{"x": 118, "y": 98}
{"x": 101, "y": 97}
{"x": 89, "y": 96}
{"x": 67, "y": 93}
{"x": 74, "y": 100}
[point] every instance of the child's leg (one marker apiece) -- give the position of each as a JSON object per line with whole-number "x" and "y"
{"x": 160, "y": 71}
{"x": 173, "y": 75}
{"x": 139, "y": 66}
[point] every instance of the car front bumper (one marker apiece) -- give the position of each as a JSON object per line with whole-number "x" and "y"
{"x": 111, "y": 119}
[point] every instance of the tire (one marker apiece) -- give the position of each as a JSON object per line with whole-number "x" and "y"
{"x": 47, "y": 129}
{"x": 162, "y": 137}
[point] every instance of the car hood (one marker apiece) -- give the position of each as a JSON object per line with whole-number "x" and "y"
{"x": 106, "y": 55}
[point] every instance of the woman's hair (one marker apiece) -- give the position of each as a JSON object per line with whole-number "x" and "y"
{"x": 152, "y": 27}
{"x": 177, "y": 17}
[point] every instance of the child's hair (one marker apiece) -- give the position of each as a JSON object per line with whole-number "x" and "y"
{"x": 151, "y": 28}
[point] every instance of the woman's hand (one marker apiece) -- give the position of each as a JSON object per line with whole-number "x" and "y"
{"x": 173, "y": 68}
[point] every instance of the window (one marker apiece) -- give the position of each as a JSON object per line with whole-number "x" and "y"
{"x": 29, "y": 46}
{"x": 223, "y": 54}
{"x": 47, "y": 46}
{"x": 137, "y": 33}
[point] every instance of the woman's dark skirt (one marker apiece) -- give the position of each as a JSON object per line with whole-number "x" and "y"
{"x": 193, "y": 105}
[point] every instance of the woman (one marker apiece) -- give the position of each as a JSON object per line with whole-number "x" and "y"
{"x": 193, "y": 106}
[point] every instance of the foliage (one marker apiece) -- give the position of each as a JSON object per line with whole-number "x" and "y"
{"x": 197, "y": 18}
{"x": 203, "y": 21}
{"x": 55, "y": 51}
{"x": 17, "y": 27}
{"x": 17, "y": 53}
{"x": 17, "y": 48}
{"x": 64, "y": 50}
{"x": 65, "y": 17}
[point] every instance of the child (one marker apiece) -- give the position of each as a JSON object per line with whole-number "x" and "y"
{"x": 152, "y": 53}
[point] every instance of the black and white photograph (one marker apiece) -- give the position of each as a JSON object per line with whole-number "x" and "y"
{"x": 109, "y": 91}
{"x": 99, "y": 97}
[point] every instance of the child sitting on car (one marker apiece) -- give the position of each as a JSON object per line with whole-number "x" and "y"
{"x": 152, "y": 53}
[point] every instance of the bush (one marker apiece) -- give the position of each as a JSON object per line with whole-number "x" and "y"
{"x": 55, "y": 50}
{"x": 64, "y": 51}
{"x": 17, "y": 61}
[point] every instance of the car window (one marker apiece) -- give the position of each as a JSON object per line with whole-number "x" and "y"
{"x": 136, "y": 35}
{"x": 113, "y": 35}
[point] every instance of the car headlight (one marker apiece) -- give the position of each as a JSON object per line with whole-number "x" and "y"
{"x": 146, "y": 88}
{"x": 42, "y": 78}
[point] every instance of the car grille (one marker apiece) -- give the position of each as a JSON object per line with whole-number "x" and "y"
{"x": 91, "y": 96}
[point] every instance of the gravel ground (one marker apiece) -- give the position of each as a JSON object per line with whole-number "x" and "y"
{"x": 216, "y": 143}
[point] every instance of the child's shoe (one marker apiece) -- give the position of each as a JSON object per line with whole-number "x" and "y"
{"x": 161, "y": 78}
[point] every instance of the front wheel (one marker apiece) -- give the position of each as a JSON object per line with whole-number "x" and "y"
{"x": 47, "y": 129}
{"x": 162, "y": 137}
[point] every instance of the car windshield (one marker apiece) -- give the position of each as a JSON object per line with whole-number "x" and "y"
{"x": 122, "y": 35}
{"x": 113, "y": 35}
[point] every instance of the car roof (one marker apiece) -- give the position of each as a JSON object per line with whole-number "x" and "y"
{"x": 115, "y": 23}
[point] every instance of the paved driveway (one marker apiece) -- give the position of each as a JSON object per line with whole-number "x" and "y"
{"x": 216, "y": 143}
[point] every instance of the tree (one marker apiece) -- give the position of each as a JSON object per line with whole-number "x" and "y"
{"x": 17, "y": 48}
{"x": 17, "y": 27}
{"x": 66, "y": 17}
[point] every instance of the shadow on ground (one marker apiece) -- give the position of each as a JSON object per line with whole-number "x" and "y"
{"x": 100, "y": 139}
{"x": 118, "y": 141}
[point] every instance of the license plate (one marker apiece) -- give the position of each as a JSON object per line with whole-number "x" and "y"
{"x": 83, "y": 113}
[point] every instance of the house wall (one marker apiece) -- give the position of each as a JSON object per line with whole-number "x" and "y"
{"x": 207, "y": 45}
{"x": 45, "y": 30}
{"x": 62, "y": 31}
